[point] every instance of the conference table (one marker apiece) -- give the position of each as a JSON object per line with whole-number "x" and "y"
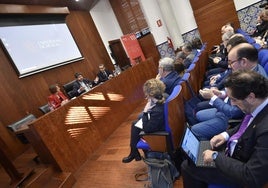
{"x": 67, "y": 136}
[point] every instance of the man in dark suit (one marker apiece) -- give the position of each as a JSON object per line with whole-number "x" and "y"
{"x": 81, "y": 85}
{"x": 245, "y": 161}
{"x": 103, "y": 75}
{"x": 167, "y": 74}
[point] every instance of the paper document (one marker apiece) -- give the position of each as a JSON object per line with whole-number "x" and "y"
{"x": 139, "y": 124}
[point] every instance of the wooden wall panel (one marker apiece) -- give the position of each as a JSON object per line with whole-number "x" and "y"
{"x": 210, "y": 16}
{"x": 149, "y": 48}
{"x": 20, "y": 97}
{"x": 196, "y": 4}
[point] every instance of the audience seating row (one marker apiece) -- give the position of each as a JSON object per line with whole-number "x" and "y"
{"x": 169, "y": 140}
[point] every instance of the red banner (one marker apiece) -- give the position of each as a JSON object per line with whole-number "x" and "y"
{"x": 132, "y": 48}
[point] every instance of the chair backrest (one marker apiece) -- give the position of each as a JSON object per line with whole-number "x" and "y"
{"x": 23, "y": 123}
{"x": 186, "y": 89}
{"x": 194, "y": 78}
{"x": 241, "y": 31}
{"x": 68, "y": 88}
{"x": 257, "y": 46}
{"x": 266, "y": 68}
{"x": 17, "y": 125}
{"x": 203, "y": 47}
{"x": 190, "y": 68}
{"x": 263, "y": 57}
{"x": 45, "y": 108}
{"x": 174, "y": 123}
{"x": 175, "y": 118}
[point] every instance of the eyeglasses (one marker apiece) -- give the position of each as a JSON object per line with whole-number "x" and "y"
{"x": 232, "y": 62}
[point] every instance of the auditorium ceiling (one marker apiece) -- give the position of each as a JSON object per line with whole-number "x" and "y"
{"x": 71, "y": 4}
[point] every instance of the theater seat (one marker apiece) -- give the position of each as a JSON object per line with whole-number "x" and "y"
{"x": 266, "y": 68}
{"x": 17, "y": 126}
{"x": 257, "y": 46}
{"x": 68, "y": 88}
{"x": 44, "y": 109}
{"x": 263, "y": 57}
{"x": 168, "y": 140}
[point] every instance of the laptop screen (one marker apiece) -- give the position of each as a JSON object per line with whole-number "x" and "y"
{"x": 190, "y": 144}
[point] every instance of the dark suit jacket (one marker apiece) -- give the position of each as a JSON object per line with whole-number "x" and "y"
{"x": 249, "y": 162}
{"x": 103, "y": 77}
{"x": 171, "y": 80}
{"x": 156, "y": 121}
{"x": 77, "y": 85}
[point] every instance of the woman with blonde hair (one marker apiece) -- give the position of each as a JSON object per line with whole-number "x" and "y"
{"x": 152, "y": 118}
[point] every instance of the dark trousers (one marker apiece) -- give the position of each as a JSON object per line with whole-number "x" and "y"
{"x": 197, "y": 177}
{"x": 134, "y": 138}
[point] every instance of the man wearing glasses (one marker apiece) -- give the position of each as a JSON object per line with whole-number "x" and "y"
{"x": 244, "y": 56}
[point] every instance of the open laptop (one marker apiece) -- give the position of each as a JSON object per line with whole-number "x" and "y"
{"x": 194, "y": 148}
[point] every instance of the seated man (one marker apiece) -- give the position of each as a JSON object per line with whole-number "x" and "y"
{"x": 190, "y": 54}
{"x": 241, "y": 57}
{"x": 214, "y": 120}
{"x": 244, "y": 162}
{"x": 167, "y": 74}
{"x": 218, "y": 61}
{"x": 81, "y": 85}
{"x": 103, "y": 75}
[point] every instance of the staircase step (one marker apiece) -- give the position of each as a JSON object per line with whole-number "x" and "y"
{"x": 49, "y": 177}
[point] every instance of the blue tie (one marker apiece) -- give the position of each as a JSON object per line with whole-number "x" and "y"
{"x": 238, "y": 134}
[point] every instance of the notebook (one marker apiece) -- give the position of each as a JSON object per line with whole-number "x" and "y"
{"x": 194, "y": 148}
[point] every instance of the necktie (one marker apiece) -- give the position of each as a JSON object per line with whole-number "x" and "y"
{"x": 105, "y": 74}
{"x": 238, "y": 134}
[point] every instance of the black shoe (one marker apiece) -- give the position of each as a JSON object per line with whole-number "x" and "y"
{"x": 130, "y": 158}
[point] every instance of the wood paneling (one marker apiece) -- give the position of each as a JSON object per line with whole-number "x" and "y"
{"x": 67, "y": 136}
{"x": 118, "y": 53}
{"x": 28, "y": 9}
{"x": 210, "y": 16}
{"x": 71, "y": 4}
{"x": 129, "y": 15}
{"x": 149, "y": 48}
{"x": 20, "y": 97}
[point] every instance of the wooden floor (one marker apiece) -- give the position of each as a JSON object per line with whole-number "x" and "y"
{"x": 104, "y": 168}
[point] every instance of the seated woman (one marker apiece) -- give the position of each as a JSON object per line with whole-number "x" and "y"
{"x": 57, "y": 98}
{"x": 152, "y": 117}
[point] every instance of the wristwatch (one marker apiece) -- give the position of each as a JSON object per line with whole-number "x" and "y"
{"x": 214, "y": 155}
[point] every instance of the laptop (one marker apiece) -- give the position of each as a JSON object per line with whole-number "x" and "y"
{"x": 193, "y": 148}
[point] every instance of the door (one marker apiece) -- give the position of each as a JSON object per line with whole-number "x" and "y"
{"x": 118, "y": 54}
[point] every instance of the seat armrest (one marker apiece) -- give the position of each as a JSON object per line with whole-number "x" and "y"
{"x": 158, "y": 133}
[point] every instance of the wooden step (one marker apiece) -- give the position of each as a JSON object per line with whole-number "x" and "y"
{"x": 49, "y": 177}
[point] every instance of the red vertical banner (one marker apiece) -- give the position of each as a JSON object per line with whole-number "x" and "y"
{"x": 132, "y": 48}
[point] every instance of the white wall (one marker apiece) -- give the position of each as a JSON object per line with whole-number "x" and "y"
{"x": 106, "y": 23}
{"x": 109, "y": 28}
{"x": 244, "y": 3}
{"x": 184, "y": 15}
{"x": 152, "y": 14}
